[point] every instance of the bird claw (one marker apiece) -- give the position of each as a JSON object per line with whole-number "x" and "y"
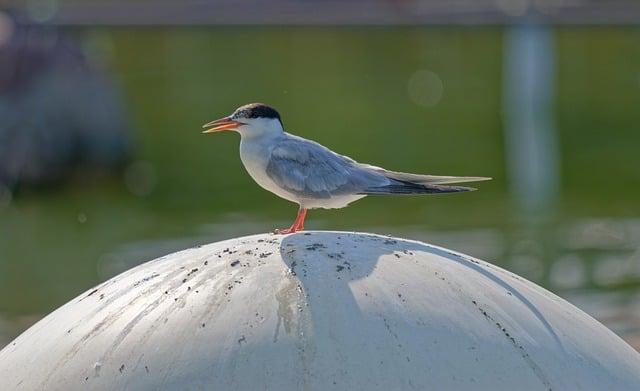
{"x": 297, "y": 225}
{"x": 283, "y": 231}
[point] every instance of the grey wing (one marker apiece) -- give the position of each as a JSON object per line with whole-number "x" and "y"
{"x": 309, "y": 170}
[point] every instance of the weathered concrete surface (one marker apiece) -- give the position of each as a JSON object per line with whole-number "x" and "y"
{"x": 318, "y": 311}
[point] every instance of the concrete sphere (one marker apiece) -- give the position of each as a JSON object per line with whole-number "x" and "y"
{"x": 318, "y": 311}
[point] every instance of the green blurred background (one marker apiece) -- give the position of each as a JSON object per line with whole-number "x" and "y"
{"x": 351, "y": 89}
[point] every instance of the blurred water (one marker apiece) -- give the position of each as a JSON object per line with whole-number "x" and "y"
{"x": 413, "y": 99}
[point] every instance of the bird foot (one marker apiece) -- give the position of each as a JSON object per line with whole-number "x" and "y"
{"x": 286, "y": 231}
{"x": 297, "y": 225}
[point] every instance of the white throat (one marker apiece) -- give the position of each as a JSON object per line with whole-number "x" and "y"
{"x": 260, "y": 128}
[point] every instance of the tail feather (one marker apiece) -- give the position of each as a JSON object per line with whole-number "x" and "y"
{"x": 409, "y": 188}
{"x": 426, "y": 179}
{"x": 432, "y": 179}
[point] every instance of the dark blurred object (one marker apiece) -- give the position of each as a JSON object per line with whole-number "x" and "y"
{"x": 335, "y": 12}
{"x": 58, "y": 113}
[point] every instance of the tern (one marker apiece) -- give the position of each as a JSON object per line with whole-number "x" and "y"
{"x": 311, "y": 175}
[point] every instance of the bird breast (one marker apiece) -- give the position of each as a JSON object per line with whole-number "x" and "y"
{"x": 254, "y": 155}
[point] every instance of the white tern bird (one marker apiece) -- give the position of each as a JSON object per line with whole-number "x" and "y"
{"x": 311, "y": 175}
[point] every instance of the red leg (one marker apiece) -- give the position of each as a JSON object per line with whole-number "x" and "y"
{"x": 298, "y": 224}
{"x": 302, "y": 214}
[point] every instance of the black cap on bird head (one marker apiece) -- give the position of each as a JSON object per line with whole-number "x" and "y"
{"x": 238, "y": 119}
{"x": 256, "y": 110}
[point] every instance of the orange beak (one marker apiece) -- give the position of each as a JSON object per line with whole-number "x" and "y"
{"x": 221, "y": 124}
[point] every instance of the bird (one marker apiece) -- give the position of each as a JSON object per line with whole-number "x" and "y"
{"x": 313, "y": 176}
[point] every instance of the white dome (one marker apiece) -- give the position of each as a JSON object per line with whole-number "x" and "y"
{"x": 318, "y": 311}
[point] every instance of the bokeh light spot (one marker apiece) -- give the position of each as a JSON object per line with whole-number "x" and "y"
{"x": 425, "y": 88}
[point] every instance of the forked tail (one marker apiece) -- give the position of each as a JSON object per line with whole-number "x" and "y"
{"x": 406, "y": 183}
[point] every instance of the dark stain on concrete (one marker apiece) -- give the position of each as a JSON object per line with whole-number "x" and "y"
{"x": 519, "y": 347}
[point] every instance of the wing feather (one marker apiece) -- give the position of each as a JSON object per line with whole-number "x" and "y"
{"x": 308, "y": 169}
